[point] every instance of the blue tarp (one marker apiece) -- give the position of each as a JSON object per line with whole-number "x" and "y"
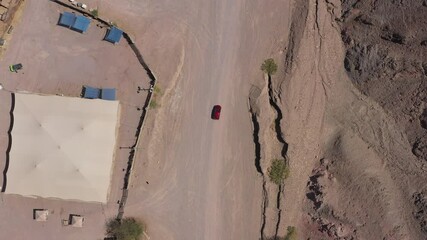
{"x": 91, "y": 92}
{"x": 108, "y": 94}
{"x": 114, "y": 35}
{"x": 67, "y": 19}
{"x": 81, "y": 24}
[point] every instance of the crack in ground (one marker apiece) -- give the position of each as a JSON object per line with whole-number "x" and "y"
{"x": 255, "y": 135}
{"x": 132, "y": 152}
{"x": 264, "y": 207}
{"x": 259, "y": 170}
{"x": 9, "y": 145}
{"x": 254, "y": 94}
{"x": 279, "y": 136}
{"x": 316, "y": 17}
{"x": 272, "y": 100}
{"x": 279, "y": 214}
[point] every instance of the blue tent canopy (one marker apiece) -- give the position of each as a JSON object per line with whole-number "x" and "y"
{"x": 113, "y": 35}
{"x": 81, "y": 24}
{"x": 67, "y": 19}
{"x": 91, "y": 92}
{"x": 108, "y": 94}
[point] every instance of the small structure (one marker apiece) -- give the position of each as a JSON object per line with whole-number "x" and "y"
{"x": 81, "y": 24}
{"x": 76, "y": 220}
{"x": 108, "y": 94}
{"x": 95, "y": 93}
{"x": 113, "y": 35}
{"x": 67, "y": 19}
{"x": 65, "y": 222}
{"x": 40, "y": 215}
{"x": 91, "y": 92}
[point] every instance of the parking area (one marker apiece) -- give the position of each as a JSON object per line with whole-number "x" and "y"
{"x": 59, "y": 61}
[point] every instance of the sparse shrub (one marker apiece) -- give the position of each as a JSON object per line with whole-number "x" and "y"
{"x": 157, "y": 90}
{"x": 269, "y": 66}
{"x": 94, "y": 12}
{"x": 278, "y": 171}
{"x": 127, "y": 229}
{"x": 292, "y": 233}
{"x": 153, "y": 104}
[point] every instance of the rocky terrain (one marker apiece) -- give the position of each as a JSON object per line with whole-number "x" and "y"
{"x": 386, "y": 44}
{"x": 386, "y": 59}
{"x": 353, "y": 96}
{"x": 370, "y": 180}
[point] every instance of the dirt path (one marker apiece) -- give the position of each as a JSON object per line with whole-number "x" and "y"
{"x": 195, "y": 178}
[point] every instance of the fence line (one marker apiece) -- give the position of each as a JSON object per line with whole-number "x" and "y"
{"x": 131, "y": 158}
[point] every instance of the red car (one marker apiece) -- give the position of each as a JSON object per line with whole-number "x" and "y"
{"x": 216, "y": 112}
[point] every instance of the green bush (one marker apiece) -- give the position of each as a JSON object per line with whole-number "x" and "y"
{"x": 269, "y": 66}
{"x": 127, "y": 229}
{"x": 292, "y": 233}
{"x": 94, "y": 12}
{"x": 278, "y": 171}
{"x": 157, "y": 90}
{"x": 153, "y": 104}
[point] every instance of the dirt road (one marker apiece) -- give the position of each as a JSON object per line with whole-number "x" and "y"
{"x": 194, "y": 177}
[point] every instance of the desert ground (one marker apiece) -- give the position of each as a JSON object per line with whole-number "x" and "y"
{"x": 346, "y": 110}
{"x": 59, "y": 61}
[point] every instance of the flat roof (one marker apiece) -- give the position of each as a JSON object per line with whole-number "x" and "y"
{"x": 62, "y": 147}
{"x": 67, "y": 19}
{"x": 81, "y": 24}
{"x": 91, "y": 92}
{"x": 108, "y": 94}
{"x": 114, "y": 35}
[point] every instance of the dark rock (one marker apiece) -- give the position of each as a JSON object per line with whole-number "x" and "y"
{"x": 419, "y": 149}
{"x": 393, "y": 37}
{"x": 420, "y": 212}
{"x": 423, "y": 117}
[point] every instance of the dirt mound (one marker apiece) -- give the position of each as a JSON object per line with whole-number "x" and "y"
{"x": 350, "y": 195}
{"x": 323, "y": 220}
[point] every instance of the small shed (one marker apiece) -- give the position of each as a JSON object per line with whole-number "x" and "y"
{"x": 108, "y": 94}
{"x": 81, "y": 24}
{"x": 77, "y": 221}
{"x": 91, "y": 92}
{"x": 67, "y": 19}
{"x": 113, "y": 35}
{"x": 40, "y": 215}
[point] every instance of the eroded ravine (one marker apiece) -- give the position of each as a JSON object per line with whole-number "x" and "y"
{"x": 273, "y": 195}
{"x": 254, "y": 110}
{"x": 279, "y": 135}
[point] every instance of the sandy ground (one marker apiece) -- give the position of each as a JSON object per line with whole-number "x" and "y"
{"x": 59, "y": 61}
{"x": 370, "y": 184}
{"x": 202, "y": 181}
{"x": 353, "y": 172}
